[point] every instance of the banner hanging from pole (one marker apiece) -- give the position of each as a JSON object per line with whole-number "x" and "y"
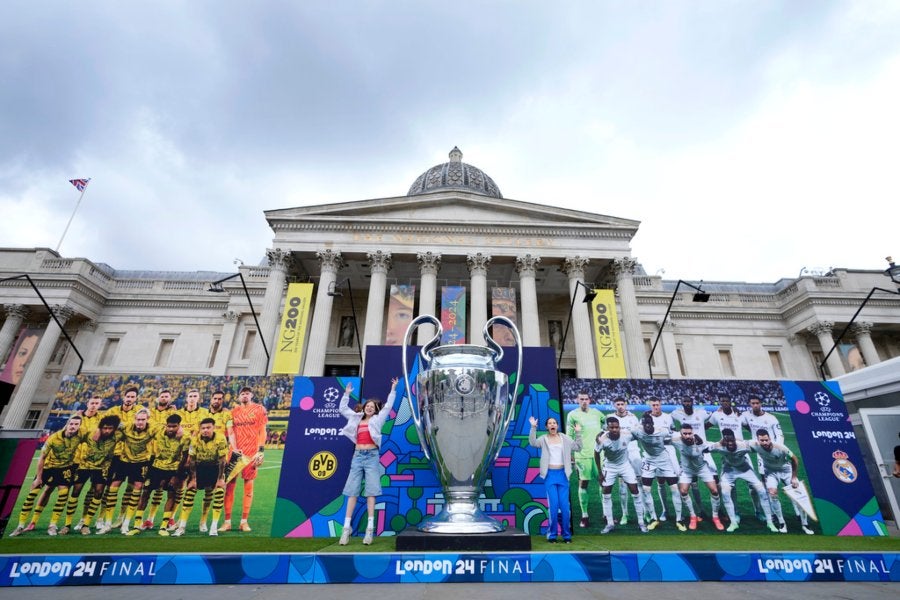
{"x": 292, "y": 335}
{"x": 608, "y": 342}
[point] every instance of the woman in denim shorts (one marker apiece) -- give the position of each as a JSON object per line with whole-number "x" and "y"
{"x": 363, "y": 428}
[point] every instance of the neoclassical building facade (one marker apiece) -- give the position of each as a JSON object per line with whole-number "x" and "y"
{"x": 452, "y": 228}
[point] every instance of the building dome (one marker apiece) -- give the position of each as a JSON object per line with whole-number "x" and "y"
{"x": 455, "y": 175}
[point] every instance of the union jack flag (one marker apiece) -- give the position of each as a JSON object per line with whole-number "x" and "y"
{"x": 80, "y": 184}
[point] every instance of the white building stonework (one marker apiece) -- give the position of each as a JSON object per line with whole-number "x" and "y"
{"x": 453, "y": 228}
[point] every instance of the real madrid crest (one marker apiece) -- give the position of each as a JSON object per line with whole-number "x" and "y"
{"x": 843, "y": 469}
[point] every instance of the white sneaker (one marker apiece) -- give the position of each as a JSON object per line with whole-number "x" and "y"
{"x": 807, "y": 530}
{"x": 203, "y": 528}
{"x": 79, "y": 525}
{"x": 104, "y": 529}
{"x": 178, "y": 532}
{"x": 17, "y": 531}
{"x": 52, "y": 530}
{"x": 213, "y": 531}
{"x": 368, "y": 539}
{"x": 345, "y": 537}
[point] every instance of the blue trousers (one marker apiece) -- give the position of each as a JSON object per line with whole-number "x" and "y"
{"x": 557, "y": 486}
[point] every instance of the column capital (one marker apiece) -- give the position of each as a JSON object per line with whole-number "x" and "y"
{"x": 279, "y": 259}
{"x": 230, "y": 315}
{"x": 821, "y": 328}
{"x": 16, "y": 310}
{"x": 88, "y": 325}
{"x": 63, "y": 312}
{"x": 573, "y": 266}
{"x": 429, "y": 262}
{"x": 330, "y": 260}
{"x": 478, "y": 263}
{"x": 861, "y": 328}
{"x": 379, "y": 261}
{"x": 527, "y": 264}
{"x": 623, "y": 266}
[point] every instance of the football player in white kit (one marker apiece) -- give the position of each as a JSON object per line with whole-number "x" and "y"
{"x": 779, "y": 467}
{"x": 657, "y": 464}
{"x": 698, "y": 419}
{"x": 627, "y": 421}
{"x": 735, "y": 465}
{"x": 613, "y": 445}
{"x": 663, "y": 422}
{"x": 753, "y": 420}
{"x": 694, "y": 452}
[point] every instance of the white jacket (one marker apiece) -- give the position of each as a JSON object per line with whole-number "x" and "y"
{"x": 376, "y": 421}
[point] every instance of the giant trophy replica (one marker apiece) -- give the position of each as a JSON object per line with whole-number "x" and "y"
{"x": 462, "y": 411}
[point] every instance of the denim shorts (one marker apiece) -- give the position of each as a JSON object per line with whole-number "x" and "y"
{"x": 365, "y": 466}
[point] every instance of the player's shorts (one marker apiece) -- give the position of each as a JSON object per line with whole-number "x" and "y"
{"x": 160, "y": 479}
{"x": 673, "y": 458}
{"x": 365, "y": 466}
{"x": 587, "y": 469}
{"x": 207, "y": 475}
{"x": 94, "y": 476}
{"x": 704, "y": 473}
{"x": 613, "y": 472}
{"x": 54, "y": 477}
{"x": 132, "y": 471}
{"x": 658, "y": 467}
{"x": 782, "y": 477}
{"x": 729, "y": 478}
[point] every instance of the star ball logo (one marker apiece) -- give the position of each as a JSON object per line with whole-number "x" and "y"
{"x": 330, "y": 396}
{"x": 322, "y": 465}
{"x": 842, "y": 468}
{"x": 823, "y": 400}
{"x": 465, "y": 384}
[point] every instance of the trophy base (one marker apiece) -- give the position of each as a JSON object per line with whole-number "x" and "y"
{"x": 510, "y": 540}
{"x": 461, "y": 518}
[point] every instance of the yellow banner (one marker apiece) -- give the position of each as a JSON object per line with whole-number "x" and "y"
{"x": 294, "y": 321}
{"x": 610, "y": 357}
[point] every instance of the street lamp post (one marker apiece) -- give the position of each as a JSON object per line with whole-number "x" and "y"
{"x": 216, "y": 287}
{"x": 699, "y": 296}
{"x": 589, "y": 294}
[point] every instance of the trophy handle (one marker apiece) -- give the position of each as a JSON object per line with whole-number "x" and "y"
{"x": 425, "y": 354}
{"x": 498, "y": 355}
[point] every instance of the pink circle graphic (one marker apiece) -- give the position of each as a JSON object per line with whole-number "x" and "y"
{"x": 307, "y": 402}
{"x": 802, "y": 407}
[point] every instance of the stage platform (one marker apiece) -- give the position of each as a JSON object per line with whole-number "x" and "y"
{"x": 443, "y": 567}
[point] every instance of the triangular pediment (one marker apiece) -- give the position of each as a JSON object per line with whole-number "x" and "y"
{"x": 450, "y": 208}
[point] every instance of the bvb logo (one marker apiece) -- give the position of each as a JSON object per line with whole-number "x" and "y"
{"x": 322, "y": 465}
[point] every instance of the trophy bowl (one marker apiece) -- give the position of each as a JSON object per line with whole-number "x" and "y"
{"x": 461, "y": 412}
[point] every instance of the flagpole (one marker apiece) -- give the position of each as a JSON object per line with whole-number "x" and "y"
{"x": 77, "y": 204}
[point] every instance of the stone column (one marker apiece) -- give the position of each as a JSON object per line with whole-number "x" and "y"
{"x": 862, "y": 330}
{"x": 226, "y": 340}
{"x": 669, "y": 350}
{"x": 429, "y": 265}
{"x": 24, "y": 394}
{"x": 478, "y": 266}
{"x": 314, "y": 366}
{"x": 15, "y": 316}
{"x": 380, "y": 264}
{"x": 580, "y": 328}
{"x": 631, "y": 321}
{"x": 526, "y": 266}
{"x": 822, "y": 331}
{"x": 269, "y": 316}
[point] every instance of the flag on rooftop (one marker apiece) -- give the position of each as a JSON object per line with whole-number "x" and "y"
{"x": 80, "y": 184}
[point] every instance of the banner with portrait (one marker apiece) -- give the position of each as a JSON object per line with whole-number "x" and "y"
{"x": 400, "y": 313}
{"x": 503, "y": 304}
{"x": 20, "y": 355}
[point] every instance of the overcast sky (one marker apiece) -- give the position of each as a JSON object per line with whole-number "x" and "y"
{"x": 751, "y": 139}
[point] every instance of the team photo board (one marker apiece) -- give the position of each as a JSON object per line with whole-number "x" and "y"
{"x": 813, "y": 423}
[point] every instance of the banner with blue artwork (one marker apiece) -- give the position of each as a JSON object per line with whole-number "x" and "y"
{"x": 311, "y": 503}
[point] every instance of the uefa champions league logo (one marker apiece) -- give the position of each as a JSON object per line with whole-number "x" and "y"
{"x": 331, "y": 395}
{"x": 465, "y": 384}
{"x": 823, "y": 400}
